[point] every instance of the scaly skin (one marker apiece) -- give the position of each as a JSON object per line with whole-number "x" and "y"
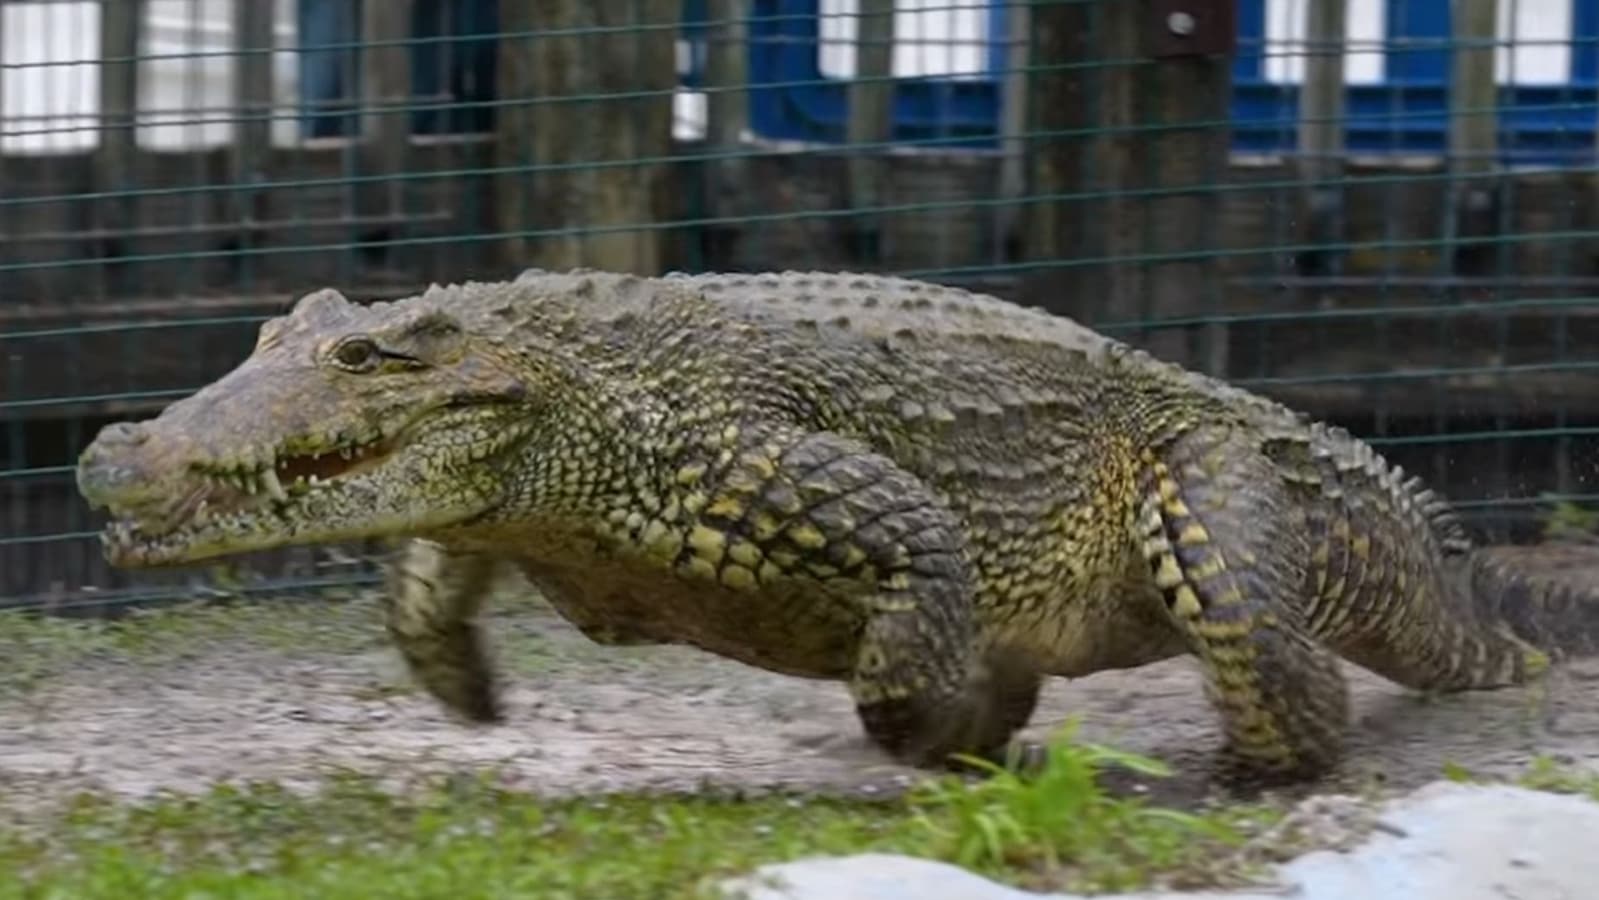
{"x": 935, "y": 496}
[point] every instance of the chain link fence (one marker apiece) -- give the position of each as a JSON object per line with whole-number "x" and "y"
{"x": 1383, "y": 212}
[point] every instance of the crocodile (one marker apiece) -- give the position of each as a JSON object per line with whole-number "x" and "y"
{"x": 935, "y": 496}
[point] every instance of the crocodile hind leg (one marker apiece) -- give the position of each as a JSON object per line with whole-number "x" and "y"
{"x": 1227, "y": 550}
{"x": 433, "y": 598}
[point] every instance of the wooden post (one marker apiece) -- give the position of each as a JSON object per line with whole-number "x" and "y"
{"x": 120, "y": 24}
{"x": 385, "y": 122}
{"x": 253, "y": 88}
{"x": 726, "y": 69}
{"x": 252, "y": 141}
{"x": 1013, "y": 126}
{"x": 1180, "y": 73}
{"x": 1059, "y": 162}
{"x": 600, "y": 187}
{"x": 1473, "y": 123}
{"x": 871, "y": 97}
{"x": 1321, "y": 134}
{"x": 727, "y": 106}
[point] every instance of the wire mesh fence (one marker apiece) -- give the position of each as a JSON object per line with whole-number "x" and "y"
{"x": 1383, "y": 212}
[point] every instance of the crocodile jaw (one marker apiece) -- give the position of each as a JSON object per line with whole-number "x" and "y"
{"x": 431, "y": 477}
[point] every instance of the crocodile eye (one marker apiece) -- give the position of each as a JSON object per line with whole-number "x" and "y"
{"x": 357, "y": 354}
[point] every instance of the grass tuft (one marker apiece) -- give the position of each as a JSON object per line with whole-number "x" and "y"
{"x": 1059, "y": 826}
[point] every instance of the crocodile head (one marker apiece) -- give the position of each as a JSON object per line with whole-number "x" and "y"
{"x": 345, "y": 422}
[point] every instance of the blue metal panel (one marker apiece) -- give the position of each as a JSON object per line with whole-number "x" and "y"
{"x": 1263, "y": 113}
{"x": 1408, "y": 114}
{"x": 1585, "y": 38}
{"x": 1249, "y": 63}
{"x": 791, "y": 98}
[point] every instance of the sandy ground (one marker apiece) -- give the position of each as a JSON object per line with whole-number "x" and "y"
{"x": 234, "y": 706}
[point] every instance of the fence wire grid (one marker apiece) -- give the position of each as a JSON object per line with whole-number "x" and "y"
{"x": 1382, "y": 212}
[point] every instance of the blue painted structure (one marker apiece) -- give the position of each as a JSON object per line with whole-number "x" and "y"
{"x": 791, "y": 99}
{"x": 1555, "y": 124}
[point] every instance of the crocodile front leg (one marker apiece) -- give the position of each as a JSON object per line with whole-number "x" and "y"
{"x": 820, "y": 509}
{"x": 433, "y": 598}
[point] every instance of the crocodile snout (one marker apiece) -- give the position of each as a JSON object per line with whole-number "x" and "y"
{"x": 117, "y": 468}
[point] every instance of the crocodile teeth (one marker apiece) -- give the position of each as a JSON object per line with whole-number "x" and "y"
{"x": 274, "y": 487}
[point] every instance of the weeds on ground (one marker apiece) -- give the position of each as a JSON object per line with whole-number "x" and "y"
{"x": 1569, "y": 521}
{"x": 1059, "y": 825}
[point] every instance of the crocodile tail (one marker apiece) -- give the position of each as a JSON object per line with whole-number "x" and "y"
{"x": 1439, "y": 515}
{"x": 1548, "y": 594}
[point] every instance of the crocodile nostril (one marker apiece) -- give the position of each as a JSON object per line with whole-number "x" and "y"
{"x": 130, "y": 433}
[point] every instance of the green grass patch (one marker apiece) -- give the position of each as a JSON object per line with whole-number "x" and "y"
{"x": 1543, "y": 773}
{"x": 470, "y": 838}
{"x": 1059, "y": 827}
{"x": 461, "y": 839}
{"x": 1565, "y": 519}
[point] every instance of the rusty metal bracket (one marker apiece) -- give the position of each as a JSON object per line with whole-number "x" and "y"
{"x": 1192, "y": 27}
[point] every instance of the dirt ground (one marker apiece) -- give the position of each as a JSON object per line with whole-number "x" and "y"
{"x": 234, "y": 705}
